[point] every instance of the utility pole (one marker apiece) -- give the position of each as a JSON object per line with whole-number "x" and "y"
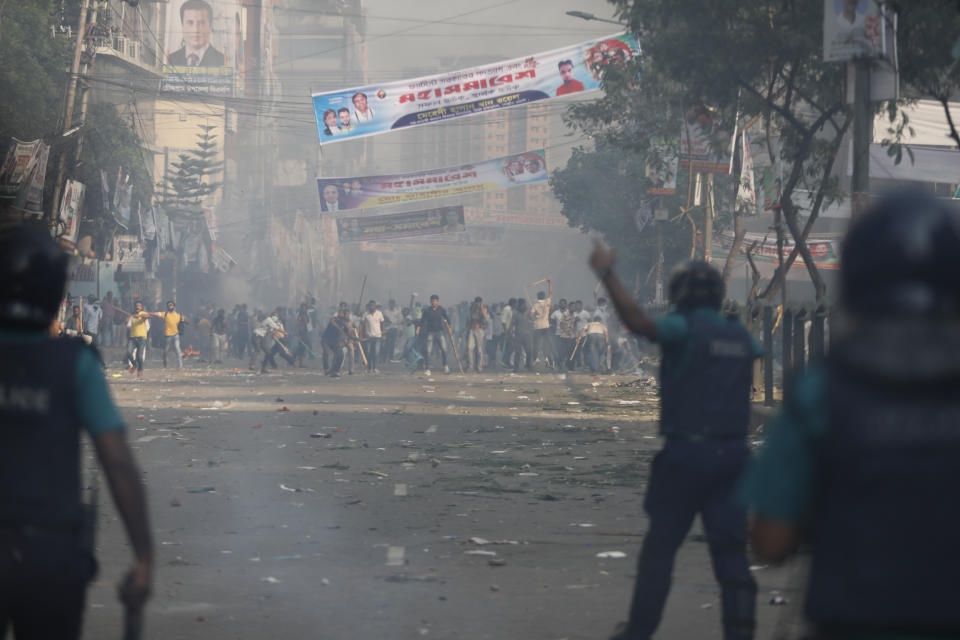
{"x": 68, "y": 107}
{"x": 862, "y": 135}
{"x": 661, "y": 216}
{"x": 708, "y": 223}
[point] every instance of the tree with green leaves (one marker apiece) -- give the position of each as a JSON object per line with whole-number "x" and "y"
{"x": 34, "y": 69}
{"x": 755, "y": 61}
{"x": 191, "y": 180}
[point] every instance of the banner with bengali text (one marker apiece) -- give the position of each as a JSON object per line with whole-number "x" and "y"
{"x": 344, "y": 194}
{"x": 373, "y": 109}
{"x": 401, "y": 225}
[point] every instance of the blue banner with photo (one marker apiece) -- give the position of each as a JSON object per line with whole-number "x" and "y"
{"x": 373, "y": 109}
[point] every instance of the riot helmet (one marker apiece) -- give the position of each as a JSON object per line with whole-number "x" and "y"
{"x": 695, "y": 285}
{"x": 902, "y": 257}
{"x": 33, "y": 276}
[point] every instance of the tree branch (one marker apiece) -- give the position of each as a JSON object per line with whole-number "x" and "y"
{"x": 780, "y": 274}
{"x": 953, "y": 130}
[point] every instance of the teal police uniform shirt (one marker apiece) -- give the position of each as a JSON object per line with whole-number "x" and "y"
{"x": 92, "y": 403}
{"x": 673, "y": 335}
{"x": 779, "y": 485}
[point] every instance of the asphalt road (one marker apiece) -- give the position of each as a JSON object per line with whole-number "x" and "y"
{"x": 292, "y": 505}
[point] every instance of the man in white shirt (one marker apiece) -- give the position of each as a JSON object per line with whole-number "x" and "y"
{"x": 506, "y": 324}
{"x": 373, "y": 325}
{"x": 92, "y": 313}
{"x": 273, "y": 330}
{"x": 393, "y": 317}
{"x": 540, "y": 313}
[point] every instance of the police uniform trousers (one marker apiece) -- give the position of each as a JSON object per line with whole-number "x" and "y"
{"x": 43, "y": 581}
{"x": 689, "y": 477}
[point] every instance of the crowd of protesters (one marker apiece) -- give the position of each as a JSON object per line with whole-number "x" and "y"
{"x": 514, "y": 334}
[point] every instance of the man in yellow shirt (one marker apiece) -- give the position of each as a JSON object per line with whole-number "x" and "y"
{"x": 139, "y": 324}
{"x": 171, "y": 333}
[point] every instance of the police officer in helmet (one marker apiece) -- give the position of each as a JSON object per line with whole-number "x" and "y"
{"x": 864, "y": 459}
{"x": 51, "y": 389}
{"x": 705, "y": 381}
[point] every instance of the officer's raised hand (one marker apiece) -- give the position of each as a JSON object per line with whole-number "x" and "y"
{"x": 632, "y": 315}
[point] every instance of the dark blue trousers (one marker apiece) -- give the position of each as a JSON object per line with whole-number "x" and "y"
{"x": 688, "y": 478}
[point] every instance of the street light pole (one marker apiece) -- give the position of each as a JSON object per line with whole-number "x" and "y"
{"x": 583, "y": 15}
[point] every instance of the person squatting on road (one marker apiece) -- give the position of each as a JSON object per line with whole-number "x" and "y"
{"x": 705, "y": 379}
{"x": 51, "y": 389}
{"x": 864, "y": 456}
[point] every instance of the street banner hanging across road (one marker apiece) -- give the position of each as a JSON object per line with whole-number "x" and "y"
{"x": 373, "y": 109}
{"x": 401, "y": 225}
{"x": 344, "y": 194}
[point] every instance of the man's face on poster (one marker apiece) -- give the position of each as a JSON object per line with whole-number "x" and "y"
{"x": 360, "y": 102}
{"x": 330, "y": 194}
{"x": 196, "y": 28}
{"x": 531, "y": 165}
{"x": 566, "y": 72}
{"x": 344, "y": 118}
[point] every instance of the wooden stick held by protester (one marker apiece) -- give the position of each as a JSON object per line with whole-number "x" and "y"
{"x": 453, "y": 346}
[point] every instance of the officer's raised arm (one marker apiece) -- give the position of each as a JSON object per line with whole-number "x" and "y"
{"x": 632, "y": 314}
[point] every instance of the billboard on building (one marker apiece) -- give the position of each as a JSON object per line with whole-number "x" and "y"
{"x": 401, "y": 225}
{"x": 203, "y": 50}
{"x": 373, "y": 109}
{"x": 341, "y": 194}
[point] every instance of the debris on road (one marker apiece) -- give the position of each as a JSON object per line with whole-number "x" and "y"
{"x": 611, "y": 554}
{"x": 203, "y": 490}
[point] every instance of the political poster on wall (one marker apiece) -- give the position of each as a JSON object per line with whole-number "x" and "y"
{"x": 373, "y": 109}
{"x": 344, "y": 194}
{"x": 401, "y": 225}
{"x": 70, "y": 210}
{"x": 204, "y": 47}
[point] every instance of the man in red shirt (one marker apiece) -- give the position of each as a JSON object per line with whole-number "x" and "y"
{"x": 570, "y": 84}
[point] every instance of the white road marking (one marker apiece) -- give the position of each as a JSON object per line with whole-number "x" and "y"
{"x": 400, "y": 490}
{"x": 432, "y": 428}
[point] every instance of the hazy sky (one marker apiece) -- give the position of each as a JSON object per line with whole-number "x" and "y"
{"x": 403, "y": 34}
